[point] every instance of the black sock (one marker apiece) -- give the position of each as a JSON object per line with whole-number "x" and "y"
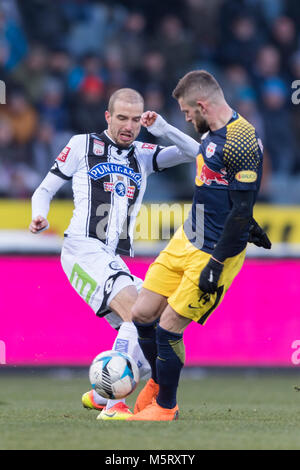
{"x": 170, "y": 360}
{"x": 147, "y": 342}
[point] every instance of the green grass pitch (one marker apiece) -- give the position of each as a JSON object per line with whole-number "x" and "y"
{"x": 217, "y": 411}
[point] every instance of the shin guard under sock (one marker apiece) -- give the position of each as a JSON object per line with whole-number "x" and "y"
{"x": 147, "y": 342}
{"x": 170, "y": 360}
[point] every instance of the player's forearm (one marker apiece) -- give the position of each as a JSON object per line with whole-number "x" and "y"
{"x": 229, "y": 244}
{"x": 237, "y": 223}
{"x": 186, "y": 144}
{"x": 41, "y": 199}
{"x": 171, "y": 156}
{"x": 40, "y": 203}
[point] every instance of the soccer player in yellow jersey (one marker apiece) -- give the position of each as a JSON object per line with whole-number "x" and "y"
{"x": 191, "y": 275}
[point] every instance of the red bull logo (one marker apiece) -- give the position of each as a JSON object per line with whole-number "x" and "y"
{"x": 208, "y": 176}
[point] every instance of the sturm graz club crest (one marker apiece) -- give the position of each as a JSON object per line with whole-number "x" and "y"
{"x": 120, "y": 189}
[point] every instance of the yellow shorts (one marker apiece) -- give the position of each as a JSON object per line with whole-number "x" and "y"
{"x": 175, "y": 274}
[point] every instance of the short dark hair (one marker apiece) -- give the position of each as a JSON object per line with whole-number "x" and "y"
{"x": 124, "y": 94}
{"x": 199, "y": 82}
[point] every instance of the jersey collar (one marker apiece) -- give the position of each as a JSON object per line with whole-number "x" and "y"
{"x": 234, "y": 117}
{"x": 108, "y": 140}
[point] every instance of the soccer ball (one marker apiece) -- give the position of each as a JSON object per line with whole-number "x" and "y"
{"x": 114, "y": 375}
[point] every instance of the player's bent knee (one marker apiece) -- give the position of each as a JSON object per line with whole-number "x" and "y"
{"x": 143, "y": 313}
{"x": 137, "y": 315}
{"x": 148, "y": 307}
{"x": 122, "y": 303}
{"x": 173, "y": 322}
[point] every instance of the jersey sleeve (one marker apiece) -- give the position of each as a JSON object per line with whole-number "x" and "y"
{"x": 242, "y": 157}
{"x": 67, "y": 162}
{"x": 157, "y": 158}
{"x": 148, "y": 155}
{"x": 41, "y": 198}
{"x": 185, "y": 143}
{"x": 171, "y": 156}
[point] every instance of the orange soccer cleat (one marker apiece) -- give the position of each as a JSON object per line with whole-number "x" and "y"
{"x": 155, "y": 412}
{"x": 146, "y": 396}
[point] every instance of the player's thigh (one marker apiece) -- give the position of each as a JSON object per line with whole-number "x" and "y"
{"x": 160, "y": 278}
{"x": 165, "y": 273}
{"x": 95, "y": 274}
{"x": 190, "y": 302}
{"x": 148, "y": 306}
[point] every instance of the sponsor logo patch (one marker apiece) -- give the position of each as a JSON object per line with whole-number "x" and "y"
{"x": 208, "y": 176}
{"x": 98, "y": 147}
{"x": 210, "y": 150}
{"x": 148, "y": 146}
{"x": 120, "y": 189}
{"x": 121, "y": 345}
{"x": 104, "y": 169}
{"x": 246, "y": 176}
{"x": 62, "y": 157}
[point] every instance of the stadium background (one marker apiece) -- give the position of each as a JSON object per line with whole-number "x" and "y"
{"x": 60, "y": 61}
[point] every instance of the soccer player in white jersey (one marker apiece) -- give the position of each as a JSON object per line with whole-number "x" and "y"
{"x": 109, "y": 171}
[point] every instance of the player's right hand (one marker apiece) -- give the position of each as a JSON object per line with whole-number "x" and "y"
{"x": 38, "y": 224}
{"x": 148, "y": 118}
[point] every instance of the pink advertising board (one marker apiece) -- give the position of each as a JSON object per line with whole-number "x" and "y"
{"x": 43, "y": 321}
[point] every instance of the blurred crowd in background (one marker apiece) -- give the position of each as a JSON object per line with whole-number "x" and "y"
{"x": 61, "y": 60}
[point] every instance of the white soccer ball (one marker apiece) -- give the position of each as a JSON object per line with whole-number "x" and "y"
{"x": 114, "y": 375}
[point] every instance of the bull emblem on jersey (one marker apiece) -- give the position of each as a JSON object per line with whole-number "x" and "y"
{"x": 208, "y": 176}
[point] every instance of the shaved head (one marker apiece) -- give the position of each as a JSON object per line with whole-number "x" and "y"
{"x": 128, "y": 95}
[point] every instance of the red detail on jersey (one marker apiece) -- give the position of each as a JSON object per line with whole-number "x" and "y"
{"x": 108, "y": 186}
{"x": 130, "y": 192}
{"x": 148, "y": 146}
{"x": 62, "y": 157}
{"x": 207, "y": 176}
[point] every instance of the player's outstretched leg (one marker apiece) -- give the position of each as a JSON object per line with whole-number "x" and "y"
{"x": 147, "y": 342}
{"x": 146, "y": 313}
{"x": 169, "y": 362}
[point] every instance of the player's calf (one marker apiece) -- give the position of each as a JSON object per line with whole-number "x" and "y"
{"x": 169, "y": 363}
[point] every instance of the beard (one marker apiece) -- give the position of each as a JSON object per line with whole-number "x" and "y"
{"x": 201, "y": 124}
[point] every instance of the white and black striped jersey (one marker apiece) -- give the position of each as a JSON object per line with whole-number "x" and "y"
{"x": 108, "y": 185}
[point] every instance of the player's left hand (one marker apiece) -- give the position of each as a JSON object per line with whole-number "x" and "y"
{"x": 258, "y": 236}
{"x": 209, "y": 278}
{"x": 148, "y": 118}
